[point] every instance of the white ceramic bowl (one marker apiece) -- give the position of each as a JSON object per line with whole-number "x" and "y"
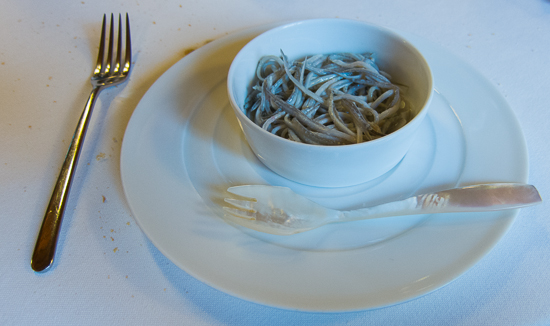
{"x": 332, "y": 166}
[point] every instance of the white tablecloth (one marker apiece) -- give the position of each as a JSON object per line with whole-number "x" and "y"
{"x": 108, "y": 272}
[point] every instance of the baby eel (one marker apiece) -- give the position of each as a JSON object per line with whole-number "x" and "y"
{"x": 326, "y": 99}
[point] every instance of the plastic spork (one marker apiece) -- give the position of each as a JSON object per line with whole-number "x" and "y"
{"x": 278, "y": 210}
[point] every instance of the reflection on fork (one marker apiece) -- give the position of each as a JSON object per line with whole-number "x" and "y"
{"x": 109, "y": 71}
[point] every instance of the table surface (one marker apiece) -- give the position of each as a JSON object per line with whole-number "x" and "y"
{"x": 107, "y": 271}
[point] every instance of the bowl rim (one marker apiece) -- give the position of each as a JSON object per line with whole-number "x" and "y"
{"x": 237, "y": 108}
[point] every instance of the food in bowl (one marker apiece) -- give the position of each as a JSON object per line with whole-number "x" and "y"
{"x": 340, "y": 165}
{"x": 326, "y": 99}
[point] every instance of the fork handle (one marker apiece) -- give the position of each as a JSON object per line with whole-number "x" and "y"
{"x": 478, "y": 198}
{"x": 44, "y": 250}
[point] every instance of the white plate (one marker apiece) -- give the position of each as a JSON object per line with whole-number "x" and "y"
{"x": 183, "y": 148}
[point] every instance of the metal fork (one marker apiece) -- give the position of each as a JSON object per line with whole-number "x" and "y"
{"x": 108, "y": 72}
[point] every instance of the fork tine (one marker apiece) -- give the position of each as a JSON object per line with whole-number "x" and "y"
{"x": 118, "y": 60}
{"x": 242, "y": 204}
{"x": 128, "y": 59}
{"x": 109, "y": 68}
{"x": 248, "y": 191}
{"x": 99, "y": 68}
{"x": 240, "y": 213}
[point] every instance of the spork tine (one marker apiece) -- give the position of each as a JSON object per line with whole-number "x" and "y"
{"x": 278, "y": 210}
{"x": 108, "y": 72}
